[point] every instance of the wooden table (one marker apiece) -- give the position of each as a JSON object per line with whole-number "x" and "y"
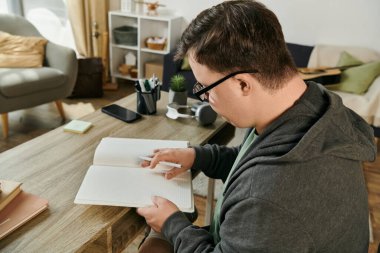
{"x": 53, "y": 167}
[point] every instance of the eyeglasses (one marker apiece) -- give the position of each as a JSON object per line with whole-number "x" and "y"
{"x": 201, "y": 91}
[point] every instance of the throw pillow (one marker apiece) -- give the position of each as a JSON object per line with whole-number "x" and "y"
{"x": 185, "y": 64}
{"x": 347, "y": 59}
{"x": 21, "y": 52}
{"x": 358, "y": 79}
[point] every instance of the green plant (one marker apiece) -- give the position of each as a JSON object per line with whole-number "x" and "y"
{"x": 178, "y": 83}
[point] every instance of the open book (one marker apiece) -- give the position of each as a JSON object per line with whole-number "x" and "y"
{"x": 117, "y": 179}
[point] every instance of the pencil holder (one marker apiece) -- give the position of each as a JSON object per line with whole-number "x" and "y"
{"x": 147, "y": 101}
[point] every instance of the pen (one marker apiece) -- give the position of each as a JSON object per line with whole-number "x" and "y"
{"x": 147, "y": 158}
{"x": 147, "y": 85}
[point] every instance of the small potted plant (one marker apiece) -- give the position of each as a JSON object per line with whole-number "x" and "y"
{"x": 178, "y": 92}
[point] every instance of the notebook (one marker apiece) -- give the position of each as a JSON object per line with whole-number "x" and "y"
{"x": 21, "y": 209}
{"x": 9, "y": 190}
{"x": 116, "y": 178}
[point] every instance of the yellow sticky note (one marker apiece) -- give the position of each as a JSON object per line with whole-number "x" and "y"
{"x": 77, "y": 126}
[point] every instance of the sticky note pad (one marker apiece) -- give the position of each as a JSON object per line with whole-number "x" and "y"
{"x": 77, "y": 126}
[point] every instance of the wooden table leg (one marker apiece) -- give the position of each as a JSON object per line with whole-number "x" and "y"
{"x": 210, "y": 202}
{"x": 126, "y": 230}
{"x": 4, "y": 124}
{"x": 221, "y": 138}
{"x": 117, "y": 237}
{"x": 102, "y": 245}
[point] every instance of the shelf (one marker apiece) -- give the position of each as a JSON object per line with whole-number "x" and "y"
{"x": 125, "y": 46}
{"x": 169, "y": 27}
{"x": 148, "y": 50}
{"x": 127, "y": 77}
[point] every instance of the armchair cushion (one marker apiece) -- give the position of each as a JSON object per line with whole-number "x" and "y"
{"x": 21, "y": 82}
{"x": 21, "y": 52}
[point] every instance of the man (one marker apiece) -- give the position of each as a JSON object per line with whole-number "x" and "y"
{"x": 295, "y": 184}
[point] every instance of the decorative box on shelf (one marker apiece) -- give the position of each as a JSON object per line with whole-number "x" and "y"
{"x": 155, "y": 68}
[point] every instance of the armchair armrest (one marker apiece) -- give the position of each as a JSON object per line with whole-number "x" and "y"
{"x": 64, "y": 59}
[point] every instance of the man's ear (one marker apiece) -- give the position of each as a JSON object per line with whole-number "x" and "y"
{"x": 246, "y": 83}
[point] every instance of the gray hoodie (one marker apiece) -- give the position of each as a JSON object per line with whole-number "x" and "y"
{"x": 299, "y": 188}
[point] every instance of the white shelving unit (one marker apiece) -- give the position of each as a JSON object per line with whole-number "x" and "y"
{"x": 169, "y": 27}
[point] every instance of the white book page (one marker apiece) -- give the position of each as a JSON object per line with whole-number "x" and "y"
{"x": 126, "y": 151}
{"x": 133, "y": 187}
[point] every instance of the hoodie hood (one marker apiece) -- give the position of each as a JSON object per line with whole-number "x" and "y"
{"x": 318, "y": 124}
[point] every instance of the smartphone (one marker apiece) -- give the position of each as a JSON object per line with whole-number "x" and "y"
{"x": 121, "y": 113}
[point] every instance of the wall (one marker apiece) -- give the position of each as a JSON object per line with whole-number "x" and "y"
{"x": 340, "y": 22}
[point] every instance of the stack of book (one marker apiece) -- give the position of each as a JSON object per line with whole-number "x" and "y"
{"x": 17, "y": 207}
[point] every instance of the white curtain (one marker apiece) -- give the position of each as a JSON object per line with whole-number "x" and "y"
{"x": 90, "y": 27}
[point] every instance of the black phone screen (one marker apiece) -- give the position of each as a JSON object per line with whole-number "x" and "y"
{"x": 121, "y": 113}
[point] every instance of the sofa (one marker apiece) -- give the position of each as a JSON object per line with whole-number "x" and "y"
{"x": 172, "y": 68}
{"x": 367, "y": 105}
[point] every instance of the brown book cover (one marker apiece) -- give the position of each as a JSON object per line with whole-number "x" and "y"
{"x": 21, "y": 209}
{"x": 9, "y": 190}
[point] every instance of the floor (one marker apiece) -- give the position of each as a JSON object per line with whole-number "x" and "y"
{"x": 30, "y": 123}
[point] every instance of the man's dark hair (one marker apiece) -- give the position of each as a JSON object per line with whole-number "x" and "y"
{"x": 239, "y": 35}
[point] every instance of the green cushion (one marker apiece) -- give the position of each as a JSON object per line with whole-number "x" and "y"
{"x": 185, "y": 64}
{"x": 346, "y": 60}
{"x": 356, "y": 79}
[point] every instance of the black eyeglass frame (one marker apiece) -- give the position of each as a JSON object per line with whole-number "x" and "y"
{"x": 202, "y": 91}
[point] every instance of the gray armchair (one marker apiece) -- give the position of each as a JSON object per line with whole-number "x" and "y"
{"x": 22, "y": 88}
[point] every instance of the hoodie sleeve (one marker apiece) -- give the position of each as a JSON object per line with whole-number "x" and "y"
{"x": 214, "y": 160}
{"x": 271, "y": 229}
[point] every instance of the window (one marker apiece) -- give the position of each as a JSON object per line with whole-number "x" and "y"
{"x": 49, "y": 17}
{"x": 3, "y": 7}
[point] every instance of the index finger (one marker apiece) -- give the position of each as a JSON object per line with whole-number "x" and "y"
{"x": 158, "y": 155}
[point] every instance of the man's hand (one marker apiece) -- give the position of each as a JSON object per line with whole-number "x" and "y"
{"x": 183, "y": 156}
{"x": 158, "y": 213}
